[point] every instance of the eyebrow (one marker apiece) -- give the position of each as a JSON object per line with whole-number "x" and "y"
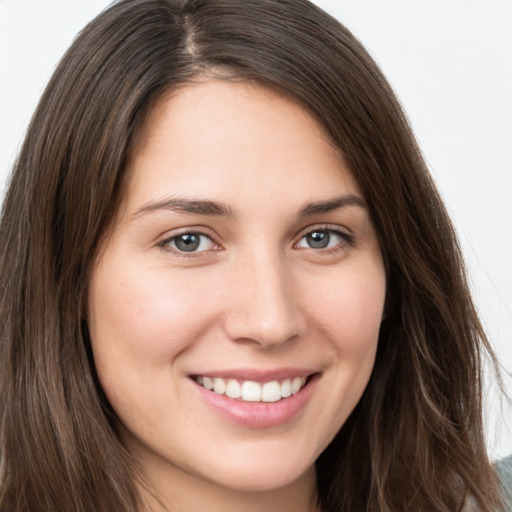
{"x": 192, "y": 206}
{"x": 331, "y": 204}
{"x": 215, "y": 208}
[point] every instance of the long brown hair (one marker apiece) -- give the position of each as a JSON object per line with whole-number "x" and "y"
{"x": 414, "y": 442}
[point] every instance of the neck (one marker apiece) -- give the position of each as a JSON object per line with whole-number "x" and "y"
{"x": 181, "y": 492}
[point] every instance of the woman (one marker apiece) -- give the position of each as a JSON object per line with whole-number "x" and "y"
{"x": 229, "y": 281}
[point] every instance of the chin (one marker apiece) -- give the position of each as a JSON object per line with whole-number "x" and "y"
{"x": 267, "y": 470}
{"x": 265, "y": 478}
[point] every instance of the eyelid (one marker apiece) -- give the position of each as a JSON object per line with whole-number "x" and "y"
{"x": 165, "y": 240}
{"x": 344, "y": 233}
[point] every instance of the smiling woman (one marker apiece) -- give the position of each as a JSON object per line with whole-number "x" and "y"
{"x": 265, "y": 366}
{"x": 228, "y": 281}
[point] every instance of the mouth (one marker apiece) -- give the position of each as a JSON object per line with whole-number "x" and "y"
{"x": 257, "y": 399}
{"x": 252, "y": 391}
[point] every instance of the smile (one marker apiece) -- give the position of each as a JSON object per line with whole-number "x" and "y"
{"x": 256, "y": 398}
{"x": 251, "y": 391}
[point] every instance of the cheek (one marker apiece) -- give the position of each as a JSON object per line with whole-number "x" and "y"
{"x": 346, "y": 310}
{"x": 142, "y": 312}
{"x": 141, "y": 321}
{"x": 349, "y": 309}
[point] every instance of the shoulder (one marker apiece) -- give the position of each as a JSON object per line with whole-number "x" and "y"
{"x": 504, "y": 468}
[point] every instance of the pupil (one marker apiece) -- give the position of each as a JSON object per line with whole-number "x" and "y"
{"x": 318, "y": 239}
{"x": 188, "y": 242}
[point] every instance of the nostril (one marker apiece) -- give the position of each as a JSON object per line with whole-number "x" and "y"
{"x": 263, "y": 309}
{"x": 249, "y": 327}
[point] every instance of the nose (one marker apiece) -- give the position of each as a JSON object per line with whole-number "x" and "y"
{"x": 263, "y": 309}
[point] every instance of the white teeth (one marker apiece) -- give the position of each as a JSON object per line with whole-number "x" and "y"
{"x": 271, "y": 392}
{"x": 208, "y": 383}
{"x": 233, "y": 389}
{"x": 219, "y": 386}
{"x": 286, "y": 388}
{"x": 296, "y": 385}
{"x": 250, "y": 391}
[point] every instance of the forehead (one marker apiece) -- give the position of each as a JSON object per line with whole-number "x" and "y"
{"x": 213, "y": 137}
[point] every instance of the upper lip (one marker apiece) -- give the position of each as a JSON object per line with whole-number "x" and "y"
{"x": 257, "y": 375}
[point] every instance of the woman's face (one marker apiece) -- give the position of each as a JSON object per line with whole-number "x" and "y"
{"x": 243, "y": 257}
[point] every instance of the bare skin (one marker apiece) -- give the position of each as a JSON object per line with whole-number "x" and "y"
{"x": 243, "y": 255}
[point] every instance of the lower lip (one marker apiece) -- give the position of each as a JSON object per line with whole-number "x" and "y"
{"x": 259, "y": 414}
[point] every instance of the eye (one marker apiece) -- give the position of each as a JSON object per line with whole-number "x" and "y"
{"x": 322, "y": 239}
{"x": 190, "y": 242}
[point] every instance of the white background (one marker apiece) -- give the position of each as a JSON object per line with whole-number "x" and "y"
{"x": 450, "y": 62}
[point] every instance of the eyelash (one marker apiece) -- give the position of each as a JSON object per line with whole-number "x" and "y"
{"x": 166, "y": 244}
{"x": 346, "y": 239}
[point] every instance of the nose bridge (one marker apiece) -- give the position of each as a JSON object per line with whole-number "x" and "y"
{"x": 263, "y": 308}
